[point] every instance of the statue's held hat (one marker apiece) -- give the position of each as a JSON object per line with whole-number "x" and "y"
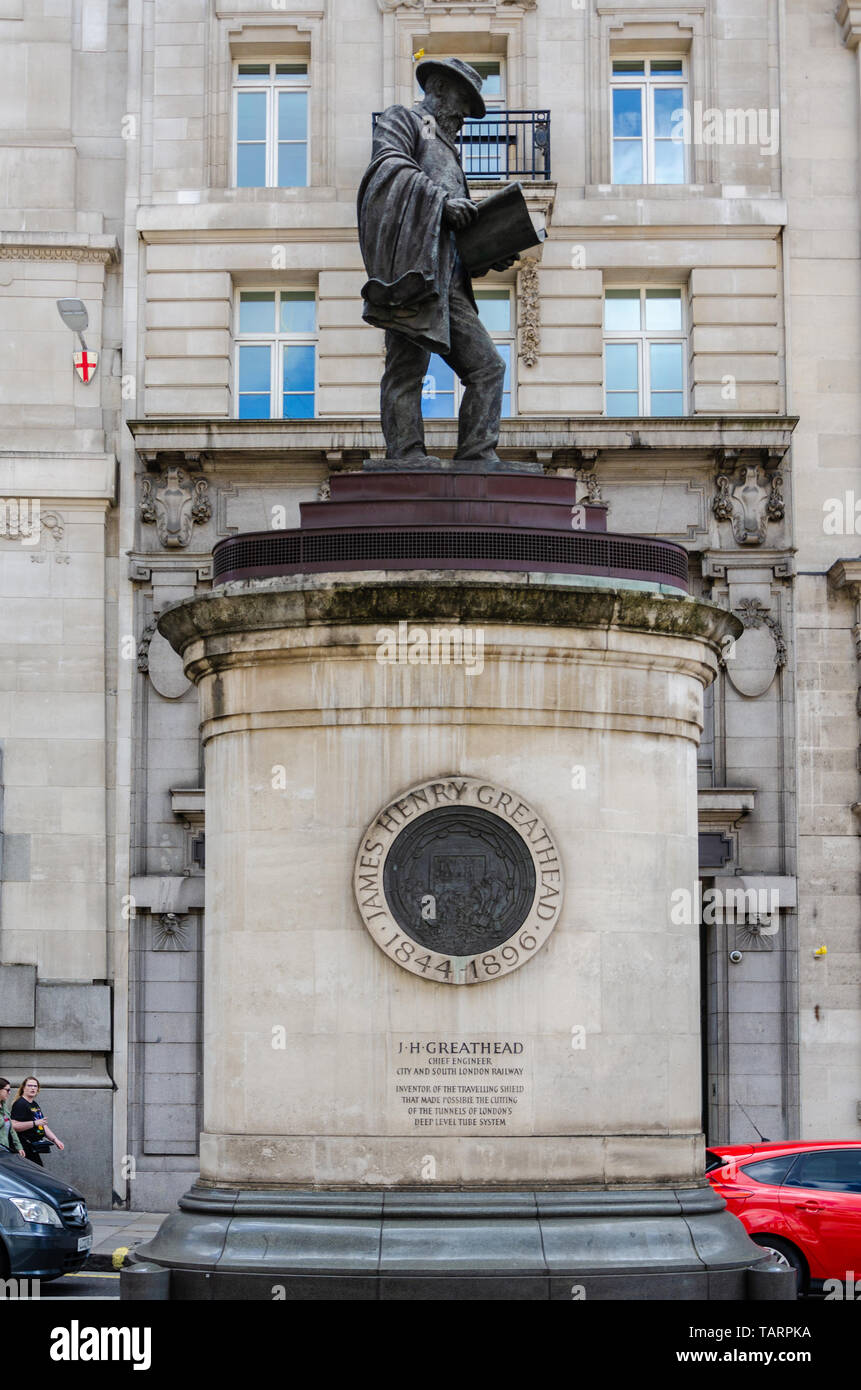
{"x": 455, "y": 67}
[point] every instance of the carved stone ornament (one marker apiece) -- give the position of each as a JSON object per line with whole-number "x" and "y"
{"x": 749, "y": 499}
{"x": 143, "y": 648}
{"x": 458, "y": 881}
{"x": 529, "y": 313}
{"x": 174, "y": 504}
{"x": 753, "y": 659}
{"x": 169, "y": 933}
{"x": 755, "y": 614}
{"x": 591, "y": 484}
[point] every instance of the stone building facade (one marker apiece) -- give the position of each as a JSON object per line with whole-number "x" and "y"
{"x": 686, "y": 342}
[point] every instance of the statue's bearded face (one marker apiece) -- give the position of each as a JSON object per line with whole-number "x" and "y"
{"x": 449, "y": 101}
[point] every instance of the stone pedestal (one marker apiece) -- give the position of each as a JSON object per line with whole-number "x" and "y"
{"x": 451, "y": 1029}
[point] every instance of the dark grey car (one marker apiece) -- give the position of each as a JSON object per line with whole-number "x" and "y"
{"x": 45, "y": 1230}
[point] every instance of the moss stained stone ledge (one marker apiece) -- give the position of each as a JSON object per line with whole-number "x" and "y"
{"x": 440, "y": 596}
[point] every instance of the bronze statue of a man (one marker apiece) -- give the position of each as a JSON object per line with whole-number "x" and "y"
{"x": 412, "y": 200}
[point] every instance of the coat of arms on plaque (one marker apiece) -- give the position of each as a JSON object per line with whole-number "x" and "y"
{"x": 459, "y": 880}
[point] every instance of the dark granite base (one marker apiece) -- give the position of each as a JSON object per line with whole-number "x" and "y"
{"x": 446, "y": 1246}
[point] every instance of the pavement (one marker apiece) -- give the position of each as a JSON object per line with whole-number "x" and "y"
{"x": 116, "y": 1233}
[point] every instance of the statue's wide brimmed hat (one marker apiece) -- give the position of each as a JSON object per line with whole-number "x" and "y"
{"x": 455, "y": 67}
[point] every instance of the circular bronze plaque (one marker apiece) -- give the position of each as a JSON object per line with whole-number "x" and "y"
{"x": 459, "y": 880}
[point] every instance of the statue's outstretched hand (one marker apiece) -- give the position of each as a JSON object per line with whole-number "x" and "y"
{"x": 459, "y": 212}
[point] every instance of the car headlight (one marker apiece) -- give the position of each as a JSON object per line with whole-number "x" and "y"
{"x": 36, "y": 1211}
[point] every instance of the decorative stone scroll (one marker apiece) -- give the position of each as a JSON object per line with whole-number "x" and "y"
{"x": 459, "y": 881}
{"x": 749, "y": 498}
{"x": 174, "y": 504}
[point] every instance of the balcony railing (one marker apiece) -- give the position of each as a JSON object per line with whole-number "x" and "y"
{"x": 504, "y": 145}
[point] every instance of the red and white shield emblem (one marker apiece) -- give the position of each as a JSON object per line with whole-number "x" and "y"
{"x": 85, "y": 365}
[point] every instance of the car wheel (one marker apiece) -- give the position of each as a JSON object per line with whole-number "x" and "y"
{"x": 5, "y": 1264}
{"x": 785, "y": 1256}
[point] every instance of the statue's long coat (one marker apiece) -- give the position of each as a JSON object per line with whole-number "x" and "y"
{"x": 409, "y": 256}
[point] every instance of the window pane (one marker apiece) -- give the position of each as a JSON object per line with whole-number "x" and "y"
{"x": 667, "y": 101}
{"x": 251, "y": 116}
{"x": 830, "y": 1170}
{"x": 669, "y": 162}
{"x": 257, "y": 311}
{"x": 251, "y": 166}
{"x": 621, "y": 366}
{"x": 627, "y": 111}
{"x": 663, "y": 309}
{"x": 769, "y": 1170}
{"x": 622, "y": 310}
{"x": 439, "y": 406}
{"x": 627, "y": 161}
{"x": 439, "y": 378}
{"x": 253, "y": 72}
{"x": 665, "y": 366}
{"x": 629, "y": 65}
{"x": 438, "y": 390}
{"x": 292, "y": 115}
{"x": 504, "y": 350}
{"x": 298, "y": 312}
{"x": 668, "y": 403}
{"x": 491, "y": 74}
{"x": 254, "y": 407}
{"x": 482, "y": 154}
{"x": 254, "y": 369}
{"x": 299, "y": 407}
{"x": 494, "y": 310}
{"x": 623, "y": 403}
{"x": 673, "y": 66}
{"x": 296, "y": 72}
{"x": 299, "y": 367}
{"x": 292, "y": 166}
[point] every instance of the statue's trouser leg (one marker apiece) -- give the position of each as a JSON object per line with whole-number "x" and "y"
{"x": 482, "y": 371}
{"x": 401, "y": 396}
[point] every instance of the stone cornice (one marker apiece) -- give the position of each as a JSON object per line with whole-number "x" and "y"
{"x": 845, "y": 574}
{"x": 848, "y": 16}
{"x": 357, "y": 601}
{"x": 336, "y": 444}
{"x": 59, "y": 246}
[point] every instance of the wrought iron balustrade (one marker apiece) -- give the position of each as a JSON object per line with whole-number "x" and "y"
{"x": 504, "y": 145}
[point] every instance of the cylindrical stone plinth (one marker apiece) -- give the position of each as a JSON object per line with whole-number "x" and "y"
{"x": 334, "y": 1059}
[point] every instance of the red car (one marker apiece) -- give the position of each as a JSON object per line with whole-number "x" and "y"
{"x": 801, "y": 1201}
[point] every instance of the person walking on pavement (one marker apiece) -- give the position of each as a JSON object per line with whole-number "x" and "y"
{"x": 8, "y": 1135}
{"x": 29, "y": 1121}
